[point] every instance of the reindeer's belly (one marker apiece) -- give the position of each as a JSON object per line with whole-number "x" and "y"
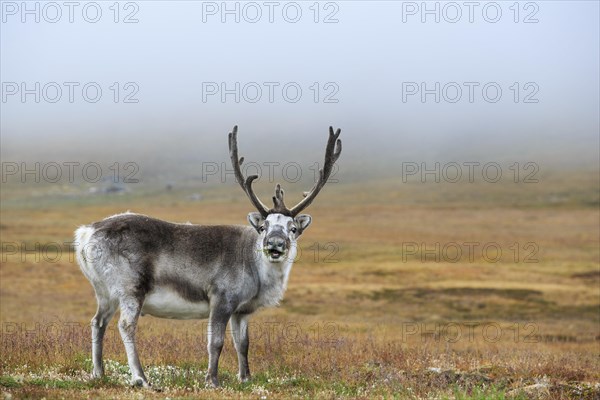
{"x": 166, "y": 303}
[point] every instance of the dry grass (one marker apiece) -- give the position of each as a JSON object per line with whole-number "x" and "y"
{"x": 361, "y": 317}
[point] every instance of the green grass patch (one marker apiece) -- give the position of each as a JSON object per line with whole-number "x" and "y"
{"x": 9, "y": 382}
{"x": 58, "y": 383}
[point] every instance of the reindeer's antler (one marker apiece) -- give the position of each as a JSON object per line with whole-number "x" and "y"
{"x": 332, "y": 153}
{"x": 246, "y": 184}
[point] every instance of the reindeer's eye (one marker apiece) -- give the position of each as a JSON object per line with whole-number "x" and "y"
{"x": 294, "y": 229}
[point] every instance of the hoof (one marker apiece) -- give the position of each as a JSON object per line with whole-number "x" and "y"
{"x": 140, "y": 382}
{"x": 97, "y": 374}
{"x": 211, "y": 381}
{"x": 244, "y": 378}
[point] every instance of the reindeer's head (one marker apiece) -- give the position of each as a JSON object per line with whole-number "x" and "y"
{"x": 280, "y": 227}
{"x": 278, "y": 232}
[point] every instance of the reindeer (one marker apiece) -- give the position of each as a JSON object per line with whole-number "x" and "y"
{"x": 143, "y": 265}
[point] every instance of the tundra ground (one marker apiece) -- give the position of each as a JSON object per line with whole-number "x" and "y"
{"x": 437, "y": 290}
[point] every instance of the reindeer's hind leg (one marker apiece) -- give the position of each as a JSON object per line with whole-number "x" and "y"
{"x": 130, "y": 312}
{"x": 105, "y": 312}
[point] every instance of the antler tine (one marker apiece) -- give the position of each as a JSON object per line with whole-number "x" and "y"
{"x": 279, "y": 204}
{"x": 332, "y": 153}
{"x": 246, "y": 184}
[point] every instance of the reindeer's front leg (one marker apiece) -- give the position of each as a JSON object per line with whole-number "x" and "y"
{"x": 239, "y": 331}
{"x": 219, "y": 315}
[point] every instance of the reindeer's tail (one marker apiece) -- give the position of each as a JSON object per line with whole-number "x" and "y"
{"x": 83, "y": 249}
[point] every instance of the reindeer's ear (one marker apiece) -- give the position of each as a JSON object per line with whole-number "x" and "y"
{"x": 255, "y": 220}
{"x": 302, "y": 222}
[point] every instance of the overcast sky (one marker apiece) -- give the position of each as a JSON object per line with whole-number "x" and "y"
{"x": 362, "y": 66}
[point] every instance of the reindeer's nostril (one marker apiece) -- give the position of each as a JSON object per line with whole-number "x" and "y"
{"x": 275, "y": 242}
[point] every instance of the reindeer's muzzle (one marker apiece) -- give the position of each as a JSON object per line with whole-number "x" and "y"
{"x": 276, "y": 246}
